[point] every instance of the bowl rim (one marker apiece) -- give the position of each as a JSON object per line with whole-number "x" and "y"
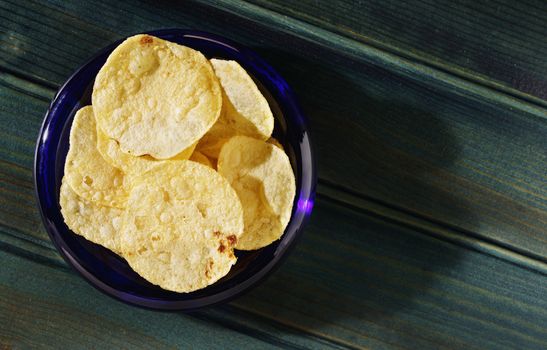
{"x": 310, "y": 173}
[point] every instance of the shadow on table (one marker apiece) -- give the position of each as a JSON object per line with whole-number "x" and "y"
{"x": 354, "y": 270}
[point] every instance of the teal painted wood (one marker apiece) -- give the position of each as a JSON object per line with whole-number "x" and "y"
{"x": 435, "y": 147}
{"x": 402, "y": 251}
{"x": 497, "y": 43}
{"x": 354, "y": 280}
{"x": 51, "y": 308}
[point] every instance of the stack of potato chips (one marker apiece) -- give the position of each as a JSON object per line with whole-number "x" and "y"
{"x": 173, "y": 166}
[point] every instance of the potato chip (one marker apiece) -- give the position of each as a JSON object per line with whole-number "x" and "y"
{"x": 274, "y": 142}
{"x": 155, "y": 97}
{"x": 245, "y": 110}
{"x": 210, "y": 146}
{"x": 181, "y": 223}
{"x": 86, "y": 171}
{"x": 200, "y": 158}
{"x": 184, "y": 155}
{"x": 96, "y": 223}
{"x": 263, "y": 178}
{"x": 111, "y": 152}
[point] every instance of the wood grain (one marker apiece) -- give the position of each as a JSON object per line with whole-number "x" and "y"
{"x": 62, "y": 311}
{"x": 498, "y": 43}
{"x": 429, "y": 228}
{"x": 354, "y": 281}
{"x": 441, "y": 150}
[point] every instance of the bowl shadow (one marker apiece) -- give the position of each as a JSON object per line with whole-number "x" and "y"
{"x": 354, "y": 268}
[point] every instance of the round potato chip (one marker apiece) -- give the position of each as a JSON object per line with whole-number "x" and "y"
{"x": 129, "y": 164}
{"x": 156, "y": 97}
{"x": 245, "y": 110}
{"x": 86, "y": 171}
{"x": 264, "y": 180}
{"x": 96, "y": 223}
{"x": 181, "y": 223}
{"x": 200, "y": 158}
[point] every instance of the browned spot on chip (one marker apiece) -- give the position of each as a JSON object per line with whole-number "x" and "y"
{"x": 88, "y": 181}
{"x": 139, "y": 221}
{"x": 221, "y": 248}
{"x": 146, "y": 40}
{"x": 166, "y": 196}
{"x": 232, "y": 239}
{"x": 202, "y": 210}
{"x": 216, "y": 233}
{"x": 208, "y": 269}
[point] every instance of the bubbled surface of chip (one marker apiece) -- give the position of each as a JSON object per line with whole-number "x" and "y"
{"x": 129, "y": 164}
{"x": 97, "y": 223}
{"x": 264, "y": 180}
{"x": 86, "y": 171}
{"x": 181, "y": 223}
{"x": 245, "y": 110}
{"x": 129, "y": 97}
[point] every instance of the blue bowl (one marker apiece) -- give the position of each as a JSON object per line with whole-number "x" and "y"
{"x": 107, "y": 271}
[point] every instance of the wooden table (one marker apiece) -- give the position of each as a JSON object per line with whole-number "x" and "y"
{"x": 430, "y": 123}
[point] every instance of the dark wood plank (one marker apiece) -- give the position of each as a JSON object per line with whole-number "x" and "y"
{"x": 374, "y": 276}
{"x": 441, "y": 149}
{"x": 499, "y": 43}
{"x": 21, "y": 110}
{"x": 354, "y": 281}
{"x": 50, "y": 308}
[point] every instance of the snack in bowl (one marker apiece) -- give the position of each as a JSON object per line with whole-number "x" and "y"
{"x": 245, "y": 111}
{"x": 180, "y": 226}
{"x": 155, "y": 97}
{"x": 86, "y": 171}
{"x": 199, "y": 157}
{"x": 161, "y": 203}
{"x": 111, "y": 152}
{"x": 262, "y": 176}
{"x": 95, "y": 222}
{"x": 274, "y": 142}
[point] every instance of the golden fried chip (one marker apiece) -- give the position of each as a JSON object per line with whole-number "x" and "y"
{"x": 274, "y": 142}
{"x": 210, "y": 146}
{"x": 245, "y": 111}
{"x": 111, "y": 152}
{"x": 200, "y": 158}
{"x": 263, "y": 178}
{"x": 86, "y": 171}
{"x": 181, "y": 223}
{"x": 155, "y": 97}
{"x": 184, "y": 155}
{"x": 97, "y": 223}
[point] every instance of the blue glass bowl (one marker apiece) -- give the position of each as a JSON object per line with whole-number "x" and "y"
{"x": 110, "y": 273}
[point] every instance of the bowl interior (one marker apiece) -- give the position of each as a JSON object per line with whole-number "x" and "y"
{"x": 109, "y": 272}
